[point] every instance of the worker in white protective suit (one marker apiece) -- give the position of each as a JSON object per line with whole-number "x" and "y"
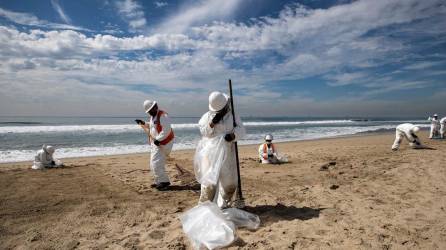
{"x": 215, "y": 164}
{"x": 268, "y": 153}
{"x": 435, "y": 126}
{"x": 442, "y": 127}
{"x": 44, "y": 158}
{"x": 161, "y": 139}
{"x": 408, "y": 131}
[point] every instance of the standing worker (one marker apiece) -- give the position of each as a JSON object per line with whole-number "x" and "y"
{"x": 215, "y": 154}
{"x": 408, "y": 131}
{"x": 442, "y": 127}
{"x": 161, "y": 139}
{"x": 435, "y": 125}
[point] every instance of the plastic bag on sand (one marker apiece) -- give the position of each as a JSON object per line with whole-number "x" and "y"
{"x": 37, "y": 165}
{"x": 206, "y": 226}
{"x": 211, "y": 154}
{"x": 242, "y": 218}
{"x": 282, "y": 158}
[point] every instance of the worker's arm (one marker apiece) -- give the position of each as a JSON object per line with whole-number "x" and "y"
{"x": 276, "y": 152}
{"x": 165, "y": 123}
{"x": 146, "y": 128}
{"x": 205, "y": 125}
{"x": 46, "y": 159}
{"x": 262, "y": 155}
{"x": 412, "y": 137}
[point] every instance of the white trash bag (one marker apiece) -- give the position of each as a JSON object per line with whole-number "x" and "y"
{"x": 282, "y": 158}
{"x": 242, "y": 218}
{"x": 206, "y": 226}
{"x": 210, "y": 155}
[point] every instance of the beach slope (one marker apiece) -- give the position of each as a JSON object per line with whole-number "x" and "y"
{"x": 342, "y": 193}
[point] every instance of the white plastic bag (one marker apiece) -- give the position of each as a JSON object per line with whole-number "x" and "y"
{"x": 37, "y": 165}
{"x": 242, "y": 218}
{"x": 282, "y": 158}
{"x": 210, "y": 156}
{"x": 206, "y": 226}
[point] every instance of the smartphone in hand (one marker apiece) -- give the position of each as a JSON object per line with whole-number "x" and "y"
{"x": 140, "y": 122}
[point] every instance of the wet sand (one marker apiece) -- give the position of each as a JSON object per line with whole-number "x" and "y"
{"x": 343, "y": 193}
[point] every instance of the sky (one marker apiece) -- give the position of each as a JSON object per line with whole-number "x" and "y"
{"x": 367, "y": 58}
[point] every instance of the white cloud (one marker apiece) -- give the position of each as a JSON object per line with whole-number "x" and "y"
{"x": 199, "y": 13}
{"x": 60, "y": 11}
{"x": 160, "y": 4}
{"x": 343, "y": 79}
{"x": 132, "y": 12}
{"x": 298, "y": 44}
{"x": 381, "y": 87}
{"x": 31, "y": 20}
{"x": 422, "y": 65}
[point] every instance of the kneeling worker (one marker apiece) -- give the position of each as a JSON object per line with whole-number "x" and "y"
{"x": 44, "y": 158}
{"x": 408, "y": 131}
{"x": 268, "y": 153}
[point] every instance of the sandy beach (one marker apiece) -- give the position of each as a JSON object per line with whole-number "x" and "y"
{"x": 342, "y": 193}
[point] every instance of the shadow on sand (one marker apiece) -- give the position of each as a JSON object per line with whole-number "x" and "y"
{"x": 270, "y": 214}
{"x": 426, "y": 148}
{"x": 195, "y": 187}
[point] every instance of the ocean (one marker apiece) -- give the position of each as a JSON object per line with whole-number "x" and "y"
{"x": 21, "y": 137}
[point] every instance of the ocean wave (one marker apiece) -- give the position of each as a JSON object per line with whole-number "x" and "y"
{"x": 291, "y": 123}
{"x": 21, "y": 123}
{"x": 131, "y": 127}
{"x": 282, "y": 135}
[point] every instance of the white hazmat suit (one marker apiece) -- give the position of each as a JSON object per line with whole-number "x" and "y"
{"x": 442, "y": 127}
{"x": 435, "y": 126}
{"x": 268, "y": 154}
{"x": 44, "y": 158}
{"x": 160, "y": 129}
{"x": 408, "y": 131}
{"x": 215, "y": 164}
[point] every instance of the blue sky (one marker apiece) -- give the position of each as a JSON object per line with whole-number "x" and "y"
{"x": 286, "y": 58}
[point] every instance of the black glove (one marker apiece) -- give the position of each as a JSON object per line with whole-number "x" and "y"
{"x": 217, "y": 118}
{"x": 156, "y": 142}
{"x": 53, "y": 163}
{"x": 229, "y": 137}
{"x": 220, "y": 114}
{"x": 140, "y": 122}
{"x": 270, "y": 156}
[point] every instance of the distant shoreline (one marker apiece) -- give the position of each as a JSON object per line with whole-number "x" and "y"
{"x": 361, "y": 134}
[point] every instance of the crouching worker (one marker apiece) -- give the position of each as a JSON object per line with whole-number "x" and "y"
{"x": 161, "y": 139}
{"x": 215, "y": 164}
{"x": 44, "y": 158}
{"x": 408, "y": 131}
{"x": 268, "y": 153}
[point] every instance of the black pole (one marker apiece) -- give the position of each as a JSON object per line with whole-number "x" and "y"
{"x": 239, "y": 189}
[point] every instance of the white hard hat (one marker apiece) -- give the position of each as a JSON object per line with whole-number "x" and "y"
{"x": 217, "y": 101}
{"x": 416, "y": 129}
{"x": 435, "y": 115}
{"x": 148, "y": 105}
{"x": 49, "y": 149}
{"x": 268, "y": 137}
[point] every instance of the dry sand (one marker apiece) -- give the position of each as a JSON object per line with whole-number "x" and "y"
{"x": 368, "y": 198}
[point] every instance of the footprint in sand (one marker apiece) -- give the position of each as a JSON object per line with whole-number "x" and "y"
{"x": 156, "y": 234}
